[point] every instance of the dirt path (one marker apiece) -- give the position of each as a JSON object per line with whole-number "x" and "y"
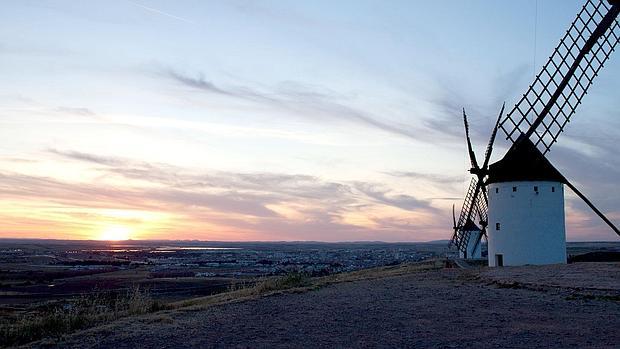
{"x": 434, "y": 309}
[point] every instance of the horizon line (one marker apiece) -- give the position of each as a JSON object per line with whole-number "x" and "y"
{"x": 269, "y": 241}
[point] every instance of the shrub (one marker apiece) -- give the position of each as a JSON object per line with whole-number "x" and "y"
{"x": 290, "y": 280}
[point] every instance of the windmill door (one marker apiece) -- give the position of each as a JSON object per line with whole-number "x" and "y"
{"x": 499, "y": 260}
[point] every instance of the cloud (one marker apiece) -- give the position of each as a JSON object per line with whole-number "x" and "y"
{"x": 405, "y": 202}
{"x": 509, "y": 86}
{"x": 234, "y": 202}
{"x": 299, "y": 100}
{"x": 289, "y": 206}
{"x": 595, "y": 176}
{"x": 448, "y": 117}
{"x": 301, "y": 186}
{"x": 199, "y": 82}
{"x": 435, "y": 178}
{"x": 22, "y": 186}
{"x": 482, "y": 111}
{"x": 20, "y": 160}
{"x": 587, "y": 156}
{"x": 15, "y": 185}
{"x": 75, "y": 111}
{"x": 101, "y": 160}
{"x": 449, "y": 185}
{"x": 162, "y": 13}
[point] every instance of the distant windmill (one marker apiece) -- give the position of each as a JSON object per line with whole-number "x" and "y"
{"x": 467, "y": 235}
{"x": 521, "y": 197}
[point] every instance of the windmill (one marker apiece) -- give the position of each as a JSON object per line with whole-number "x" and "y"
{"x": 521, "y": 196}
{"x": 467, "y": 235}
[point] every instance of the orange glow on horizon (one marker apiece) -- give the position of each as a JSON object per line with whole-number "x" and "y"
{"x": 115, "y": 233}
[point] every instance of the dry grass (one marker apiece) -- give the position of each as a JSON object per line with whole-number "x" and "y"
{"x": 248, "y": 290}
{"x": 298, "y": 282}
{"x": 97, "y": 309}
{"x": 381, "y": 272}
{"x": 85, "y": 311}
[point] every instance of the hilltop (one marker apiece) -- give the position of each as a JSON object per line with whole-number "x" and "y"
{"x": 414, "y": 305}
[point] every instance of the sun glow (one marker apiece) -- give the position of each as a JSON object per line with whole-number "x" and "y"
{"x": 115, "y": 233}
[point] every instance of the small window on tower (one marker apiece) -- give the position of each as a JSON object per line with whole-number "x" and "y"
{"x": 514, "y": 189}
{"x": 536, "y": 189}
{"x": 553, "y": 189}
{"x": 497, "y": 226}
{"x": 496, "y": 190}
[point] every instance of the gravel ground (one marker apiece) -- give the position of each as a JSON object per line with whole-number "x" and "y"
{"x": 572, "y": 306}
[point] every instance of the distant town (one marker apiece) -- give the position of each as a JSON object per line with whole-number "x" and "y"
{"x": 52, "y": 269}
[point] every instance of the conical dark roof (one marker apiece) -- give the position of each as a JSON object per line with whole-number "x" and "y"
{"x": 523, "y": 162}
{"x": 471, "y": 226}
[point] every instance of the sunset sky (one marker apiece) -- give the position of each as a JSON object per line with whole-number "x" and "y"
{"x": 275, "y": 120}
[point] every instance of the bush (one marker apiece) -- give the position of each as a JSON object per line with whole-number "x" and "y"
{"x": 290, "y": 280}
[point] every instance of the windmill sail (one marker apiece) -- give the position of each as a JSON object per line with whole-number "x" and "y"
{"x": 476, "y": 201}
{"x": 547, "y": 106}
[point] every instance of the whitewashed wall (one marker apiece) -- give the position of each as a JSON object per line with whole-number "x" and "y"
{"x": 473, "y": 251}
{"x": 532, "y": 224}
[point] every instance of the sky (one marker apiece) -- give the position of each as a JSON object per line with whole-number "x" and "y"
{"x": 275, "y": 120}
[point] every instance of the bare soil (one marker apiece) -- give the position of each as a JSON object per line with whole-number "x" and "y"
{"x": 560, "y": 306}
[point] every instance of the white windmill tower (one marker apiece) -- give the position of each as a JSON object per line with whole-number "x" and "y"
{"x": 526, "y": 209}
{"x": 474, "y": 247}
{"x": 522, "y": 195}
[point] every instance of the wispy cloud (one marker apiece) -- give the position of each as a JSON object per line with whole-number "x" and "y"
{"x": 302, "y": 101}
{"x": 385, "y": 196}
{"x": 451, "y": 97}
{"x": 101, "y": 160}
{"x": 80, "y": 111}
{"x": 430, "y": 177}
{"x": 162, "y": 13}
{"x": 199, "y": 82}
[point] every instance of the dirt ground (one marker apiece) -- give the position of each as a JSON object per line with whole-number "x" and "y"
{"x": 570, "y": 306}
